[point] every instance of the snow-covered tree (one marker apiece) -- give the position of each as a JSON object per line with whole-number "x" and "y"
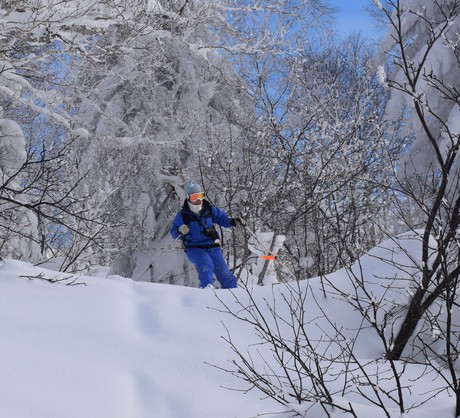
{"x": 334, "y": 147}
{"x": 153, "y": 107}
{"x": 321, "y": 153}
{"x": 315, "y": 159}
{"x": 423, "y": 73}
{"x": 18, "y": 233}
{"x": 42, "y": 44}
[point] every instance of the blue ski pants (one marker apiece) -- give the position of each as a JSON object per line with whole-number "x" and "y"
{"x": 210, "y": 262}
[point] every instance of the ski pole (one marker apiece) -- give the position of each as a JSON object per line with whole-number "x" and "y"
{"x": 259, "y": 241}
{"x": 270, "y": 251}
{"x": 159, "y": 256}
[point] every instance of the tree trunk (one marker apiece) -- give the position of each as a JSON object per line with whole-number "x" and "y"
{"x": 457, "y": 396}
{"x": 262, "y": 274}
{"x": 414, "y": 314}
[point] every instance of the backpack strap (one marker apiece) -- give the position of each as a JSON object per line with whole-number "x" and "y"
{"x": 188, "y": 217}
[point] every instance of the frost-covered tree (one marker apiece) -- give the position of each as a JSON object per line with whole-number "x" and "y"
{"x": 259, "y": 40}
{"x": 423, "y": 51}
{"x": 321, "y": 154}
{"x": 39, "y": 38}
{"x": 18, "y": 233}
{"x": 335, "y": 156}
{"x": 152, "y": 110}
{"x": 316, "y": 157}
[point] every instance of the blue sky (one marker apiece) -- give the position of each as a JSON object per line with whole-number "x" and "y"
{"x": 351, "y": 17}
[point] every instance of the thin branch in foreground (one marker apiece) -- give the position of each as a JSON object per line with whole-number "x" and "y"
{"x": 41, "y": 276}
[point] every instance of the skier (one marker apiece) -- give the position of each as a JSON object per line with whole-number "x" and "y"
{"x": 195, "y": 222}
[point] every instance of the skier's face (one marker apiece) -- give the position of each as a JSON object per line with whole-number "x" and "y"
{"x": 195, "y": 208}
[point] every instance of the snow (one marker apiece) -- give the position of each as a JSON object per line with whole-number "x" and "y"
{"x": 12, "y": 146}
{"x": 80, "y": 133}
{"x": 110, "y": 348}
{"x": 377, "y": 4}
{"x": 99, "y": 347}
{"x": 381, "y": 74}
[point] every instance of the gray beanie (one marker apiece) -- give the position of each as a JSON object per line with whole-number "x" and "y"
{"x": 192, "y": 187}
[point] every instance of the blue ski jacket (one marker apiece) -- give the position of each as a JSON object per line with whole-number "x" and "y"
{"x": 202, "y": 233}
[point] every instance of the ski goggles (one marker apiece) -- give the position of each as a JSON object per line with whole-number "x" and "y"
{"x": 195, "y": 197}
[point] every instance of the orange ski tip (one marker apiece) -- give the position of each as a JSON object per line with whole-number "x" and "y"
{"x": 267, "y": 257}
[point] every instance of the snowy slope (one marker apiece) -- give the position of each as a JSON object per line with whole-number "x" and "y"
{"x": 111, "y": 349}
{"x": 115, "y": 348}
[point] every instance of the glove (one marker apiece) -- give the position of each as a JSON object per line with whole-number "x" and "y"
{"x": 240, "y": 221}
{"x": 184, "y": 229}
